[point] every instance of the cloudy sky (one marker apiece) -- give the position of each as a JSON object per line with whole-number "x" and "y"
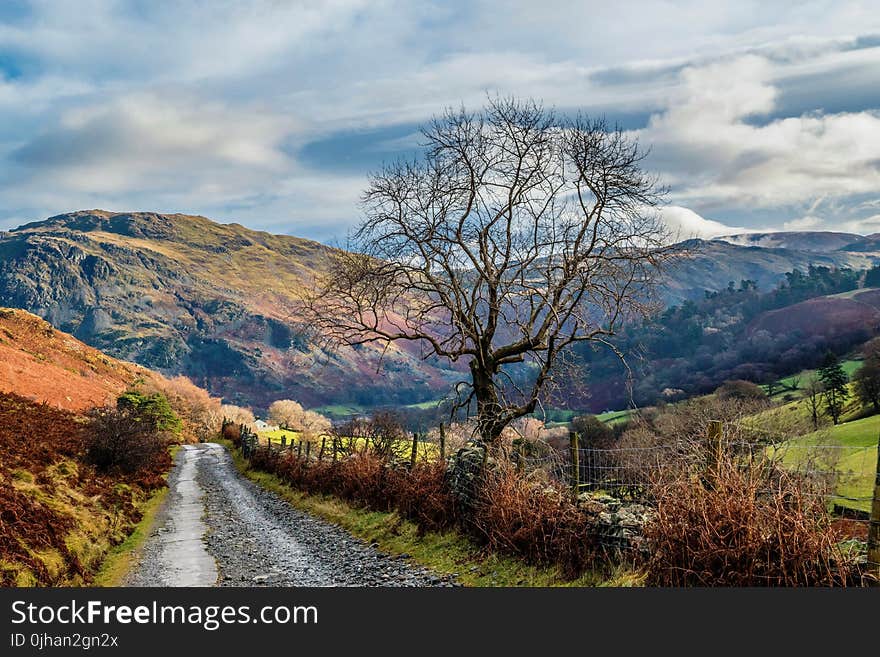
{"x": 272, "y": 113}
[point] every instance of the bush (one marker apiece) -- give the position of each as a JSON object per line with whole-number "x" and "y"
{"x": 121, "y": 441}
{"x": 740, "y": 389}
{"x": 232, "y": 433}
{"x": 593, "y": 432}
{"x": 152, "y": 409}
{"x": 755, "y": 525}
{"x": 537, "y": 522}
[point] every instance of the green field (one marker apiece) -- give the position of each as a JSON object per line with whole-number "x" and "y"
{"x": 402, "y": 449}
{"x": 849, "y": 449}
{"x": 849, "y": 366}
{"x": 343, "y": 411}
{"x": 616, "y": 417}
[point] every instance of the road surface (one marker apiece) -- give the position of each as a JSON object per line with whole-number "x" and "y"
{"x": 217, "y": 528}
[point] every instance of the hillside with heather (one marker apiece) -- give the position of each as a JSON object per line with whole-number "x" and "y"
{"x": 45, "y": 365}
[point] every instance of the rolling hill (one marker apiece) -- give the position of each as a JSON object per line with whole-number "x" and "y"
{"x": 714, "y": 263}
{"x": 44, "y": 365}
{"x": 816, "y": 241}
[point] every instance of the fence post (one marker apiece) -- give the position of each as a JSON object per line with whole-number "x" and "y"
{"x": 574, "y": 439}
{"x": 321, "y": 451}
{"x": 308, "y": 449}
{"x": 874, "y": 527}
{"x": 442, "y": 442}
{"x": 334, "y": 448}
{"x": 283, "y": 441}
{"x": 299, "y": 449}
{"x": 415, "y": 451}
{"x": 714, "y": 434}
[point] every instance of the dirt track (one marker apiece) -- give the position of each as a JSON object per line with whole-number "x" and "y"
{"x": 217, "y": 528}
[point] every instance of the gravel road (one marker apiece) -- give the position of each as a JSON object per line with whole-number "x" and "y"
{"x": 217, "y": 528}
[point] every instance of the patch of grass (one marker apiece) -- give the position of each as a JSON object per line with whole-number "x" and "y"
{"x": 448, "y": 553}
{"x": 616, "y": 417}
{"x": 119, "y": 559}
{"x": 403, "y": 448}
{"x": 787, "y": 383}
{"x": 850, "y": 449}
{"x": 339, "y": 410}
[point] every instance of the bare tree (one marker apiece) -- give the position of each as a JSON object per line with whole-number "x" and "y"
{"x": 814, "y": 390}
{"x": 519, "y": 234}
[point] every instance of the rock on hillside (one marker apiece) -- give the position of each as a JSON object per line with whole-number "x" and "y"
{"x": 184, "y": 295}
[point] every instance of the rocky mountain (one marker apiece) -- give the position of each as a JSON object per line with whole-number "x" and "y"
{"x": 218, "y": 302}
{"x": 184, "y": 295}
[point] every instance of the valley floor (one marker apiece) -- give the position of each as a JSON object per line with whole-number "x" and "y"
{"x": 217, "y": 528}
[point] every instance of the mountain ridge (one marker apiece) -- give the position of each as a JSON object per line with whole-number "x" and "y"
{"x": 183, "y": 294}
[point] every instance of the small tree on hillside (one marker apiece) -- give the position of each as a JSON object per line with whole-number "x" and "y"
{"x": 237, "y": 414}
{"x": 519, "y": 234}
{"x": 285, "y": 412}
{"x": 814, "y": 392}
{"x": 740, "y": 389}
{"x": 152, "y": 409}
{"x": 867, "y": 383}
{"x": 834, "y": 384}
{"x": 593, "y": 432}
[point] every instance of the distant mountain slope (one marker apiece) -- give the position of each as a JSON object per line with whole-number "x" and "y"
{"x": 185, "y": 295}
{"x": 832, "y": 317}
{"x": 867, "y": 244}
{"x": 714, "y": 263}
{"x": 43, "y": 364}
{"x": 182, "y": 294}
{"x": 820, "y": 241}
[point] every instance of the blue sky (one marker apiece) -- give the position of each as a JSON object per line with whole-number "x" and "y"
{"x": 273, "y": 113}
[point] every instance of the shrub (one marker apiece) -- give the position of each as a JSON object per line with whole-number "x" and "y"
{"x": 537, "y": 522}
{"x": 593, "y": 432}
{"x": 740, "y": 389}
{"x": 120, "y": 440}
{"x": 755, "y": 525}
{"x": 152, "y": 409}
{"x": 232, "y": 433}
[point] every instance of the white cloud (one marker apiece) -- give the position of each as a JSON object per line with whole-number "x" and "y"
{"x": 685, "y": 224}
{"x": 804, "y": 223}
{"x": 203, "y": 106}
{"x": 712, "y": 154}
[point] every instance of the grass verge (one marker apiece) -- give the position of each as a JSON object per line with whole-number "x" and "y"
{"x": 119, "y": 559}
{"x": 448, "y": 553}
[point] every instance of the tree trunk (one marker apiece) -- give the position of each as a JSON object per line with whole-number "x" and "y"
{"x": 490, "y": 422}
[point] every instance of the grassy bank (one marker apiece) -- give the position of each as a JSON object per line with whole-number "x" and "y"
{"x": 447, "y": 553}
{"x": 120, "y": 558}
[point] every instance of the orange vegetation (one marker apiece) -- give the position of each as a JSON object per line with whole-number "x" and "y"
{"x": 43, "y": 364}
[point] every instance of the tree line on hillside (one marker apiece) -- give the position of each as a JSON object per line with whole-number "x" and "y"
{"x": 694, "y": 347}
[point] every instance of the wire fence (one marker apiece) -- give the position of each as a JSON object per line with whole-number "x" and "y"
{"x": 625, "y": 480}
